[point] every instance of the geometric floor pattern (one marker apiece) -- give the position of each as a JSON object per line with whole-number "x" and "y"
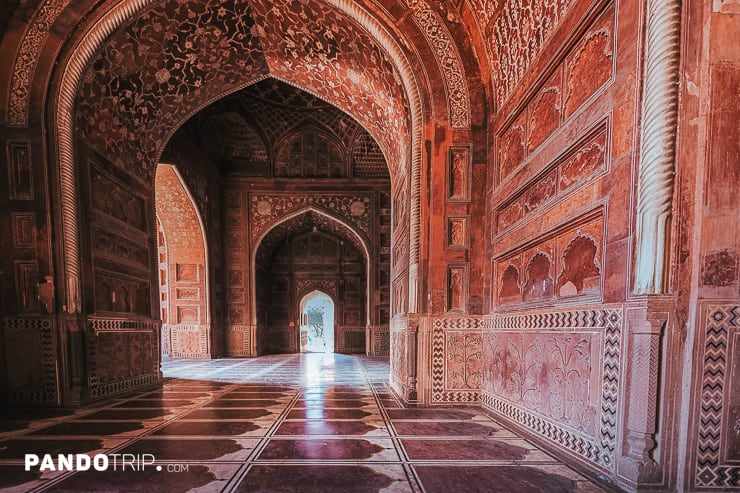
{"x": 285, "y": 423}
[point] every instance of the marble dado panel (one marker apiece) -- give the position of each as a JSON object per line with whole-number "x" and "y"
{"x": 564, "y": 264}
{"x": 240, "y": 341}
{"x": 31, "y": 349}
{"x": 268, "y": 208}
{"x": 350, "y": 340}
{"x": 583, "y": 70}
{"x": 584, "y": 160}
{"x": 557, "y": 374}
{"x": 189, "y": 341}
{"x": 716, "y": 432}
{"x": 122, "y": 355}
{"x": 457, "y": 360}
{"x": 399, "y": 335}
{"x": 379, "y": 341}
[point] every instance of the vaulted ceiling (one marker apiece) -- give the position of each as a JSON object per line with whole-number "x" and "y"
{"x": 271, "y": 128}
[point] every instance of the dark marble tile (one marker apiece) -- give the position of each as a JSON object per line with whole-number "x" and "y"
{"x": 217, "y": 428}
{"x": 148, "y": 480}
{"x": 442, "y": 428}
{"x": 390, "y": 404}
{"x": 184, "y": 449}
{"x": 254, "y": 395}
{"x": 16, "y": 475}
{"x": 202, "y": 413}
{"x": 135, "y": 414}
{"x": 153, "y": 403}
{"x": 346, "y": 449}
{"x": 17, "y": 448}
{"x": 8, "y": 425}
{"x": 428, "y": 414}
{"x": 492, "y": 479}
{"x": 345, "y": 403}
{"x": 324, "y": 428}
{"x": 264, "y": 388}
{"x": 166, "y": 394}
{"x": 247, "y": 403}
{"x": 22, "y": 413}
{"x": 92, "y": 428}
{"x": 319, "y": 413}
{"x": 463, "y": 450}
{"x": 325, "y": 479}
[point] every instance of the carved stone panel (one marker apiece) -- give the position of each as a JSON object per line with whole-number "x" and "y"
{"x": 20, "y": 174}
{"x": 458, "y": 173}
{"x": 23, "y": 225}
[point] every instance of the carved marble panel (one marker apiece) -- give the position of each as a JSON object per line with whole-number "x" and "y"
{"x": 458, "y": 234}
{"x": 562, "y": 264}
{"x": 589, "y": 64}
{"x": 556, "y": 372}
{"x": 20, "y": 173}
{"x": 26, "y": 281}
{"x": 587, "y": 158}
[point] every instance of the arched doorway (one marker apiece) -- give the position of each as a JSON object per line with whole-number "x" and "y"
{"x": 304, "y": 254}
{"x": 182, "y": 258}
{"x": 317, "y": 323}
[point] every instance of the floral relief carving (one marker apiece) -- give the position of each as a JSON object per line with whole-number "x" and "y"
{"x": 518, "y": 32}
{"x": 464, "y": 357}
{"x": 25, "y": 63}
{"x": 549, "y": 374}
{"x": 154, "y": 72}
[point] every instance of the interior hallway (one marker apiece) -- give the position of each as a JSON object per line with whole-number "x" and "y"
{"x": 284, "y": 423}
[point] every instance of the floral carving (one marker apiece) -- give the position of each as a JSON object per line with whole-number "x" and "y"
{"x": 550, "y": 374}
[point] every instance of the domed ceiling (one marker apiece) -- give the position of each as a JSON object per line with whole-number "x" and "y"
{"x": 273, "y": 129}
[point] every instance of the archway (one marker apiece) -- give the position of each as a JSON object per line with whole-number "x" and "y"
{"x": 317, "y": 323}
{"x": 308, "y": 252}
{"x": 183, "y": 269}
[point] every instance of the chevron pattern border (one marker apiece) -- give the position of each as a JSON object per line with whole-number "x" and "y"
{"x": 721, "y": 323}
{"x": 602, "y": 450}
{"x": 440, "y": 395}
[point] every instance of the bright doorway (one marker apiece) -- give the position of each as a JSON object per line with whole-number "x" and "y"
{"x": 317, "y": 323}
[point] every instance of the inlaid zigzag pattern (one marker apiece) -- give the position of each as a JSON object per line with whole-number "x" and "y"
{"x": 555, "y": 320}
{"x": 438, "y": 363}
{"x": 580, "y": 445}
{"x": 721, "y": 320}
{"x": 610, "y": 386}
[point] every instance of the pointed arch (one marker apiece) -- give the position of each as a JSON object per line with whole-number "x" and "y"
{"x": 353, "y": 230}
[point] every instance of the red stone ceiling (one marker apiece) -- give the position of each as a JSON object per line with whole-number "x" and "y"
{"x": 302, "y": 224}
{"x": 182, "y": 54}
{"x": 248, "y": 130}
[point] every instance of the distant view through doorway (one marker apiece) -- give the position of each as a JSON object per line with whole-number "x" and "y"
{"x": 317, "y": 323}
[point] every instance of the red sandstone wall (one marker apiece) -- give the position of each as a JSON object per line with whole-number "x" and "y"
{"x": 560, "y": 169}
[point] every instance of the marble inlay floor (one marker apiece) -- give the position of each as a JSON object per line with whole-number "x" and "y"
{"x": 288, "y": 423}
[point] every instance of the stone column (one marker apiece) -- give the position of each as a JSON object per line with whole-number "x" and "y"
{"x": 657, "y": 144}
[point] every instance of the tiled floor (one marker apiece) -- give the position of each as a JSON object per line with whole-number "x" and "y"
{"x": 310, "y": 423}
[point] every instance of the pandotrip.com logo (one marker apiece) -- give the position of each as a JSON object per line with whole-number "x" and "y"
{"x": 98, "y": 462}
